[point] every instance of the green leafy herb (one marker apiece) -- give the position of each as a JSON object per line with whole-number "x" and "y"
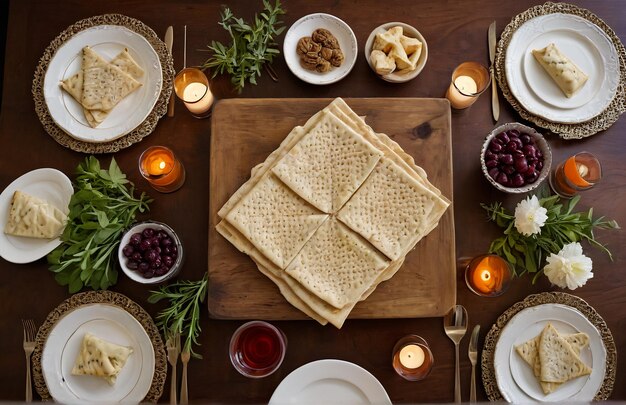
{"x": 528, "y": 253}
{"x": 101, "y": 208}
{"x": 252, "y": 45}
{"x": 183, "y": 314}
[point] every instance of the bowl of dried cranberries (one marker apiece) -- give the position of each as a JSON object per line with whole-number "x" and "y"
{"x": 150, "y": 252}
{"x": 515, "y": 158}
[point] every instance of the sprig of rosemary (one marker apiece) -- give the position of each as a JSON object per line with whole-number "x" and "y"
{"x": 183, "y": 314}
{"x": 252, "y": 45}
{"x": 528, "y": 253}
{"x": 102, "y": 206}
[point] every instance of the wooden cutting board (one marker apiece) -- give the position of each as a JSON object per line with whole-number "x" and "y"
{"x": 245, "y": 131}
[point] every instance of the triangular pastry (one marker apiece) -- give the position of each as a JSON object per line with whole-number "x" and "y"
{"x": 530, "y": 353}
{"x": 33, "y": 217}
{"x": 104, "y": 84}
{"x": 74, "y": 85}
{"x": 559, "y": 362}
{"x": 100, "y": 358}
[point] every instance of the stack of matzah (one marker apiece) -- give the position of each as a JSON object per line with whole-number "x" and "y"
{"x": 332, "y": 213}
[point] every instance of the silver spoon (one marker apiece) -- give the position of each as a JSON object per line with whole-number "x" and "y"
{"x": 455, "y": 326}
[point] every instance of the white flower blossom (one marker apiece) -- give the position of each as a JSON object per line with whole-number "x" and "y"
{"x": 569, "y": 268}
{"x": 530, "y": 216}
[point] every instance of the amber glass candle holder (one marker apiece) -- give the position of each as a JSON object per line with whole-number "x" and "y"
{"x": 488, "y": 275}
{"x": 162, "y": 169}
{"x": 412, "y": 358}
{"x": 192, "y": 87}
{"x": 578, "y": 173}
{"x": 469, "y": 80}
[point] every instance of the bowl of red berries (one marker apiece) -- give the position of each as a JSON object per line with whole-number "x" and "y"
{"x": 515, "y": 158}
{"x": 150, "y": 252}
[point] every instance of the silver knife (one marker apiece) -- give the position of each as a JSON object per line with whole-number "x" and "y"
{"x": 169, "y": 41}
{"x": 495, "y": 106}
{"x": 472, "y": 353}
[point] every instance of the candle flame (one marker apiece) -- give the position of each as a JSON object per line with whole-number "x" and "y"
{"x": 162, "y": 165}
{"x": 485, "y": 275}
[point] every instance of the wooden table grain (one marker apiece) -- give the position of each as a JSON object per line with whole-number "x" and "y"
{"x": 456, "y": 32}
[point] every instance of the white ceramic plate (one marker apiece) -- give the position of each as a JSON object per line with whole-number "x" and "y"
{"x": 304, "y": 27}
{"x": 110, "y": 323}
{"x": 108, "y": 41}
{"x": 515, "y": 377}
{"x": 48, "y": 184}
{"x": 330, "y": 382}
{"x": 581, "y": 41}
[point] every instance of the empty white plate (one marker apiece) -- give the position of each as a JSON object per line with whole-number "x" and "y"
{"x": 330, "y": 382}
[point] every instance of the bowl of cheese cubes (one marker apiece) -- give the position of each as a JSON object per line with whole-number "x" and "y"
{"x": 396, "y": 52}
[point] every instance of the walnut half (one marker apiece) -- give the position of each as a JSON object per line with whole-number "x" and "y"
{"x": 326, "y": 38}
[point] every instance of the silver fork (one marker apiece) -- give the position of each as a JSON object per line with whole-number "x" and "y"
{"x": 455, "y": 326}
{"x": 472, "y": 353}
{"x": 30, "y": 333}
{"x": 185, "y": 356}
{"x": 173, "y": 349}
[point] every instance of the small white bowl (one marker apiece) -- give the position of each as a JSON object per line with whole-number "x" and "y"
{"x": 409, "y": 31}
{"x": 304, "y": 27}
{"x": 540, "y": 142}
{"x": 136, "y": 275}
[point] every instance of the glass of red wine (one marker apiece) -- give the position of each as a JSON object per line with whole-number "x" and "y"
{"x": 257, "y": 349}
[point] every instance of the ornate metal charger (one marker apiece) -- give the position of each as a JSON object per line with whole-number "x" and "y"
{"x": 488, "y": 372}
{"x": 136, "y": 135}
{"x": 102, "y": 297}
{"x": 566, "y": 131}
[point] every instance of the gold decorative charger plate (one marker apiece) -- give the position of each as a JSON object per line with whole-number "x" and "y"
{"x": 138, "y": 132}
{"x": 603, "y": 348}
{"x": 580, "y": 130}
{"x": 121, "y": 313}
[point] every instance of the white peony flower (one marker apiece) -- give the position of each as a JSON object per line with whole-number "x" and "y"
{"x": 530, "y": 216}
{"x": 569, "y": 268}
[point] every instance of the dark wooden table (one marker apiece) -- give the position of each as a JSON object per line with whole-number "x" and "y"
{"x": 456, "y": 32}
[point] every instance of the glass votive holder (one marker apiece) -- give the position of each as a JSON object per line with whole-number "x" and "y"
{"x": 162, "y": 169}
{"x": 257, "y": 349}
{"x": 469, "y": 80}
{"x": 488, "y": 275}
{"x": 577, "y": 173}
{"x": 412, "y": 358}
{"x": 192, "y": 87}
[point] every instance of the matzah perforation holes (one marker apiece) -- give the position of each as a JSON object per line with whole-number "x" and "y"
{"x": 369, "y": 210}
{"x": 336, "y": 265}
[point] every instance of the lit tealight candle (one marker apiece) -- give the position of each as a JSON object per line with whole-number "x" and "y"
{"x": 466, "y": 85}
{"x": 198, "y": 98}
{"x": 469, "y": 80}
{"x": 484, "y": 281}
{"x": 411, "y": 356}
{"x": 192, "y": 86}
{"x": 488, "y": 275}
{"x": 162, "y": 169}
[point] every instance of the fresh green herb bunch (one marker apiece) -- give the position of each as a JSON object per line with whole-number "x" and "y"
{"x": 252, "y": 45}
{"x": 528, "y": 253}
{"x": 183, "y": 314}
{"x": 101, "y": 208}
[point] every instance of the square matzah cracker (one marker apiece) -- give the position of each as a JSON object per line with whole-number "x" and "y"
{"x": 336, "y": 264}
{"x": 391, "y": 209}
{"x": 275, "y": 220}
{"x": 328, "y": 164}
